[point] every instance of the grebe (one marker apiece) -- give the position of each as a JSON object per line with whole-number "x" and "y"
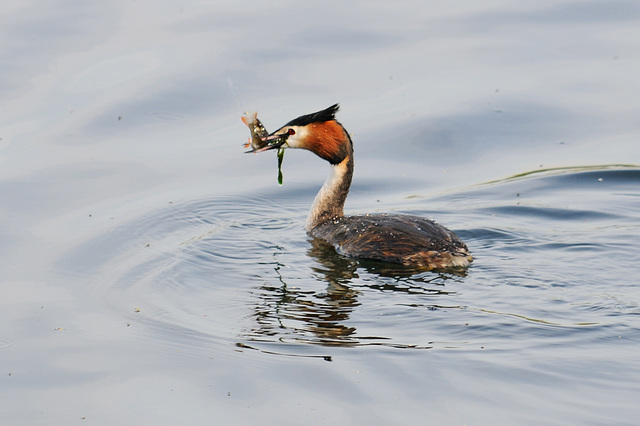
{"x": 405, "y": 239}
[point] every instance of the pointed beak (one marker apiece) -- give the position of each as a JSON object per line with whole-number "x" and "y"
{"x": 272, "y": 142}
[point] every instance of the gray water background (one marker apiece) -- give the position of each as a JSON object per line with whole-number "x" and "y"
{"x": 153, "y": 274}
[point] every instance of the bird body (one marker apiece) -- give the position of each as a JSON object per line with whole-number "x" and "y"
{"x": 405, "y": 239}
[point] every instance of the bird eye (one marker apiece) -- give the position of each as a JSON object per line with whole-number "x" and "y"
{"x": 291, "y": 132}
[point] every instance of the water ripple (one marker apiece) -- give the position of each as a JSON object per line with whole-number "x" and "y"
{"x": 241, "y": 271}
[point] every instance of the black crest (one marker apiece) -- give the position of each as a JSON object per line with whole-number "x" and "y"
{"x": 315, "y": 117}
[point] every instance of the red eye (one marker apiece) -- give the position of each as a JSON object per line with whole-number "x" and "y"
{"x": 291, "y": 132}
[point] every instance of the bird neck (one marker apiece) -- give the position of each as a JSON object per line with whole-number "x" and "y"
{"x": 329, "y": 203}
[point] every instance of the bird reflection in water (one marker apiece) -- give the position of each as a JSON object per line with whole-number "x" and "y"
{"x": 290, "y": 314}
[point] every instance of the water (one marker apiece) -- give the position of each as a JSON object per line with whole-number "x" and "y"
{"x": 153, "y": 274}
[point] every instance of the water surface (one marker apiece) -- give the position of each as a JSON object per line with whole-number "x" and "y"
{"x": 153, "y": 274}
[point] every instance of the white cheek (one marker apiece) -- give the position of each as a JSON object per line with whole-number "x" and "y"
{"x": 296, "y": 140}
